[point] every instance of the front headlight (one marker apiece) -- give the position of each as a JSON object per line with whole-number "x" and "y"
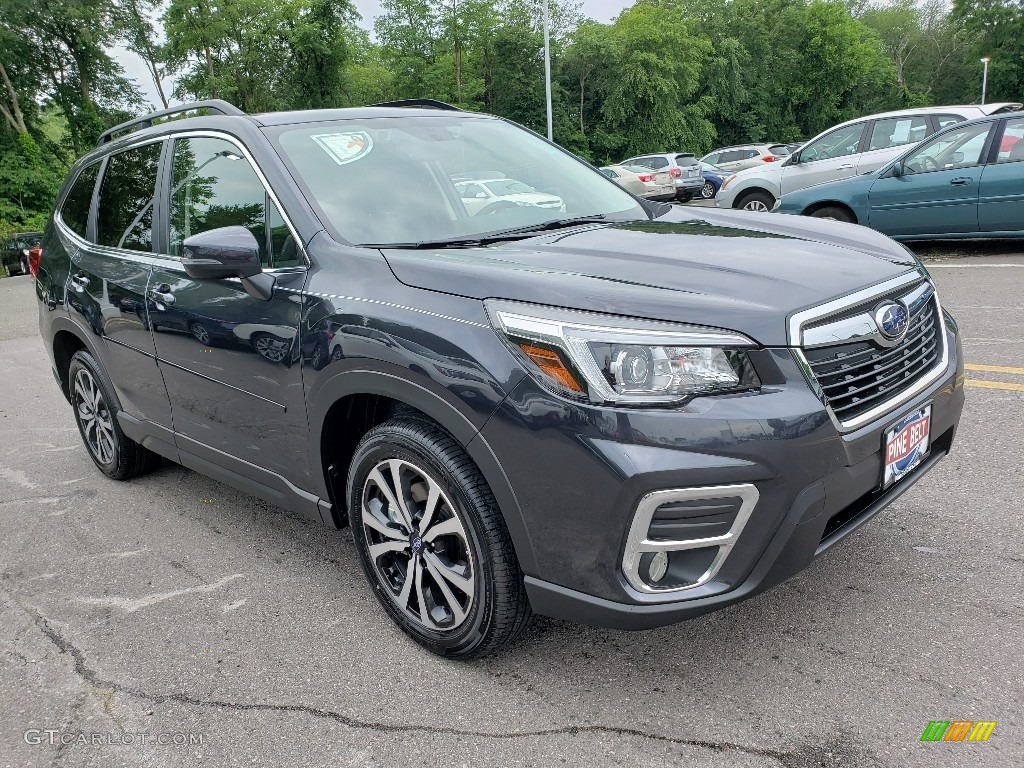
{"x": 608, "y": 359}
{"x": 728, "y": 181}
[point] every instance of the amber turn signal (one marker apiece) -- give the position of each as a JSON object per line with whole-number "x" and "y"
{"x": 550, "y": 363}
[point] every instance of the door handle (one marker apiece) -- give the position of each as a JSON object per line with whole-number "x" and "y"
{"x": 162, "y": 295}
{"x": 960, "y": 181}
{"x": 80, "y": 279}
{"x": 845, "y": 167}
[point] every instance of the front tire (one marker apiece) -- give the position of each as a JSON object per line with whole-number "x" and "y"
{"x": 758, "y": 201}
{"x": 835, "y": 213}
{"x": 432, "y": 541}
{"x": 707, "y": 191}
{"x": 116, "y": 455}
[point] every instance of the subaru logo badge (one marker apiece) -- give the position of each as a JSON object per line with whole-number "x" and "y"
{"x": 892, "y": 320}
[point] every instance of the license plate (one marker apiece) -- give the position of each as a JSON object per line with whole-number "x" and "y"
{"x": 906, "y": 445}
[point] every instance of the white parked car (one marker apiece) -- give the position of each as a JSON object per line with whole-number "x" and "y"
{"x": 745, "y": 156}
{"x": 488, "y": 195}
{"x": 643, "y": 182}
{"x": 849, "y": 149}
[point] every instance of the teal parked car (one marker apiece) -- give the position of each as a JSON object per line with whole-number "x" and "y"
{"x": 965, "y": 181}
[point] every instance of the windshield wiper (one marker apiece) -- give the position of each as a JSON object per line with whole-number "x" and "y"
{"x": 495, "y": 237}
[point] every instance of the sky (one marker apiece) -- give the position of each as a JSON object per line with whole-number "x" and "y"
{"x": 601, "y": 10}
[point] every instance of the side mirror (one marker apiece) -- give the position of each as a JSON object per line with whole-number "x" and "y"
{"x": 480, "y": 195}
{"x": 228, "y": 252}
{"x": 896, "y": 170}
{"x": 222, "y": 252}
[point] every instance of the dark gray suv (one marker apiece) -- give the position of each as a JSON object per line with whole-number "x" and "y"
{"x": 599, "y": 408}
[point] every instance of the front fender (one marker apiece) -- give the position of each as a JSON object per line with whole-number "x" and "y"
{"x": 455, "y": 416}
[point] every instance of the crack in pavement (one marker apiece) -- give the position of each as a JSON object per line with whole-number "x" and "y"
{"x": 90, "y": 676}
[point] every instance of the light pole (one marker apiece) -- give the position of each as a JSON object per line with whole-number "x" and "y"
{"x": 547, "y": 70}
{"x": 984, "y": 77}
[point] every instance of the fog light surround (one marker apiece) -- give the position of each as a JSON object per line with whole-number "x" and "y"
{"x": 645, "y": 572}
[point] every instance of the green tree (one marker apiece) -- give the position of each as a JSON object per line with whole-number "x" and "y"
{"x": 996, "y": 28}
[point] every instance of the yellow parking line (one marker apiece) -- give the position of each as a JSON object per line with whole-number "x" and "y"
{"x": 994, "y": 368}
{"x": 994, "y": 385}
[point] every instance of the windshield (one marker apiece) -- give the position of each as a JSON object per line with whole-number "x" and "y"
{"x": 508, "y": 187}
{"x": 399, "y": 180}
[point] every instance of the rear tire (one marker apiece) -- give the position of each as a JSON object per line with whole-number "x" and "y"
{"x": 707, "y": 191}
{"x": 835, "y": 213}
{"x": 115, "y": 454}
{"x": 758, "y": 201}
{"x": 446, "y": 572}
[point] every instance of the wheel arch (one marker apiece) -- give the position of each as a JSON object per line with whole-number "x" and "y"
{"x": 355, "y": 401}
{"x": 743, "y": 194}
{"x": 68, "y": 339}
{"x": 817, "y": 206}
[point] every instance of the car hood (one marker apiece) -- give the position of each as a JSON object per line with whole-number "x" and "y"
{"x": 726, "y": 269}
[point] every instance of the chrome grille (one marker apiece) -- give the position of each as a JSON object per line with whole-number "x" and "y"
{"x": 860, "y": 375}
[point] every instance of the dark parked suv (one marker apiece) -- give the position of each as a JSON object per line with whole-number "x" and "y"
{"x": 618, "y": 412}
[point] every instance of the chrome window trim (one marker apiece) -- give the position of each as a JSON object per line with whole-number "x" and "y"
{"x": 166, "y": 257}
{"x": 832, "y": 307}
{"x": 637, "y": 542}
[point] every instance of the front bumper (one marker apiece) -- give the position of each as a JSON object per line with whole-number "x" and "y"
{"x": 580, "y": 473}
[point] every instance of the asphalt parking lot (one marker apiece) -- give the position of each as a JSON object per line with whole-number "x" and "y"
{"x": 174, "y": 605}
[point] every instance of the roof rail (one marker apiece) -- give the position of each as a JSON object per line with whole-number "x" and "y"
{"x": 422, "y": 103}
{"x": 214, "y": 105}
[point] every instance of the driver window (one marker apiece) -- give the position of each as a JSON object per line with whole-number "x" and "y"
{"x": 956, "y": 149}
{"x": 840, "y": 143}
{"x": 213, "y": 185}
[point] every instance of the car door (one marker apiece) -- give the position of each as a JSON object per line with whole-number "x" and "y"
{"x": 230, "y": 360}
{"x": 747, "y": 158}
{"x": 731, "y": 160}
{"x": 890, "y": 137}
{"x": 829, "y": 157}
{"x": 110, "y": 270}
{"x": 1001, "y": 195}
{"x": 936, "y": 191}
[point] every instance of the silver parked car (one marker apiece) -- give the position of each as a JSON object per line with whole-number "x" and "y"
{"x": 850, "y": 149}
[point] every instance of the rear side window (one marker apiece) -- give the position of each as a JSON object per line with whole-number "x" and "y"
{"x": 212, "y": 186}
{"x": 124, "y": 218}
{"x": 75, "y": 212}
{"x": 897, "y": 131}
{"x": 658, "y": 162}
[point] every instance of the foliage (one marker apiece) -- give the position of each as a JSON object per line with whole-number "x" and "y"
{"x": 664, "y": 75}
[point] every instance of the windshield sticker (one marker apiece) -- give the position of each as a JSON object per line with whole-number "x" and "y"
{"x": 345, "y": 147}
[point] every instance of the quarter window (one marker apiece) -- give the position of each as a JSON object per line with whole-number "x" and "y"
{"x": 212, "y": 186}
{"x": 841, "y": 142}
{"x": 75, "y": 213}
{"x": 124, "y": 218}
